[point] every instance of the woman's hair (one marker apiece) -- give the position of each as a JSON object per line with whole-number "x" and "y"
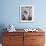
{"x": 25, "y": 12}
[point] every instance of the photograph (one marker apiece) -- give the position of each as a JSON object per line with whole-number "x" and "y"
{"x": 26, "y": 13}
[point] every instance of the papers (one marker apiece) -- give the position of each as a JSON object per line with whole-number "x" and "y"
{"x": 26, "y": 30}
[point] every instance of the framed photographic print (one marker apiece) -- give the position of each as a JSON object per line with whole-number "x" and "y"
{"x": 26, "y": 13}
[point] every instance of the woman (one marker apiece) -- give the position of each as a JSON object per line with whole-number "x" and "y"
{"x": 25, "y": 16}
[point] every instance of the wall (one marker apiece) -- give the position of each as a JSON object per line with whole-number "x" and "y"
{"x": 9, "y": 13}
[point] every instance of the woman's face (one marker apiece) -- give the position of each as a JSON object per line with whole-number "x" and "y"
{"x": 26, "y": 15}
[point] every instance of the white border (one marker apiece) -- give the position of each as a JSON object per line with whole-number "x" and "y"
{"x": 32, "y": 13}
